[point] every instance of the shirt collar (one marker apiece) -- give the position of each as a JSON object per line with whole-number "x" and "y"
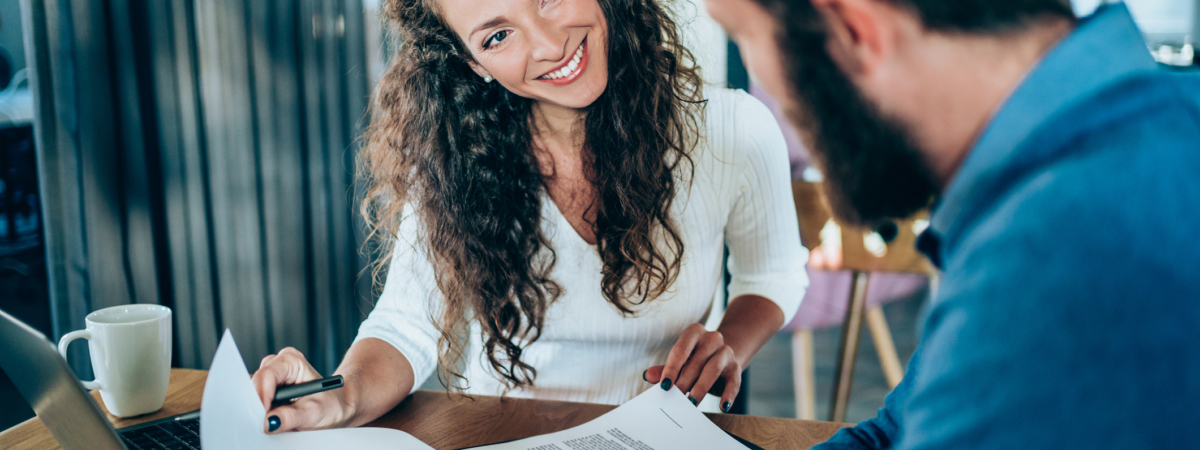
{"x": 1103, "y": 49}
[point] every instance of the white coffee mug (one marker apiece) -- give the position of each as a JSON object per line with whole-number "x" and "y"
{"x": 131, "y": 356}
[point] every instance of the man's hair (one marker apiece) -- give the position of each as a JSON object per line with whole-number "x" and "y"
{"x": 984, "y": 16}
{"x": 873, "y": 169}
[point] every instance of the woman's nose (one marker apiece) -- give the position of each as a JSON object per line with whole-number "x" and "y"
{"x": 549, "y": 44}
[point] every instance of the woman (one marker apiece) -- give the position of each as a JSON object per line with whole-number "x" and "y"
{"x": 561, "y": 195}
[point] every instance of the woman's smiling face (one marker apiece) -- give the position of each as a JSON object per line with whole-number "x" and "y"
{"x": 552, "y": 51}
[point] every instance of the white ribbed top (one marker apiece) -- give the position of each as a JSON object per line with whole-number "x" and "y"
{"x": 741, "y": 197}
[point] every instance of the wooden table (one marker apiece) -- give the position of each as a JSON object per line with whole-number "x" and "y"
{"x": 452, "y": 422}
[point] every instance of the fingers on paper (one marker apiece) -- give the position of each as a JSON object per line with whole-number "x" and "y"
{"x": 721, "y": 367}
{"x": 707, "y": 347}
{"x": 652, "y": 374}
{"x": 680, "y": 354}
{"x": 286, "y": 417}
{"x": 315, "y": 412}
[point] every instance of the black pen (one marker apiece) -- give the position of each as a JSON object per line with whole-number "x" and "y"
{"x": 285, "y": 394}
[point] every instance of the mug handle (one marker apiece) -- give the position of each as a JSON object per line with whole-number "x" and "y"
{"x": 62, "y": 350}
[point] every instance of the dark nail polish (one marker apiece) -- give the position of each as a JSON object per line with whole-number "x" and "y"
{"x": 694, "y": 403}
{"x": 725, "y": 406}
{"x": 644, "y": 375}
{"x": 666, "y": 384}
{"x": 273, "y": 423}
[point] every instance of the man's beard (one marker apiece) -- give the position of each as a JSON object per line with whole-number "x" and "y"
{"x": 873, "y": 171}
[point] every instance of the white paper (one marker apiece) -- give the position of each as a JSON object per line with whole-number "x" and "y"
{"x": 232, "y": 417}
{"x": 655, "y": 420}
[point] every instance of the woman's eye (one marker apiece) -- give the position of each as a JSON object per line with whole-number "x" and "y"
{"x": 495, "y": 39}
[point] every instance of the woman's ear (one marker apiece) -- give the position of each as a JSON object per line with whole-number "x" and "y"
{"x": 478, "y": 69}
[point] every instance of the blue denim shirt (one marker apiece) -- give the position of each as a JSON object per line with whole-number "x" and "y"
{"x": 1068, "y": 315}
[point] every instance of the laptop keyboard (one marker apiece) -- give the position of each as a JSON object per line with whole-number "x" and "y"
{"x": 177, "y": 435}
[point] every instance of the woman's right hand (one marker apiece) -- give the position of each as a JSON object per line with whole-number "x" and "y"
{"x": 329, "y": 409}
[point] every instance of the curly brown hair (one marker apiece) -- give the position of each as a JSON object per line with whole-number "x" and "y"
{"x": 457, "y": 151}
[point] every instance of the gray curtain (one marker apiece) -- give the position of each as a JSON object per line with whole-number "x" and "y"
{"x": 199, "y": 154}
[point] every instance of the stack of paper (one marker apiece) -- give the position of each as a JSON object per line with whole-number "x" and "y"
{"x": 655, "y": 420}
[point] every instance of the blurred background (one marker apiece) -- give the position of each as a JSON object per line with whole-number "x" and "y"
{"x": 199, "y": 154}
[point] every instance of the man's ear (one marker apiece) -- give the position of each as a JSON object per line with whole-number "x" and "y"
{"x": 860, "y": 33}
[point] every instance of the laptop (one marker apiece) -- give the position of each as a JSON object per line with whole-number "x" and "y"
{"x": 67, "y": 410}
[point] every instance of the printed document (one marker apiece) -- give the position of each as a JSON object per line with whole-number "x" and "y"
{"x": 655, "y": 420}
{"x": 232, "y": 417}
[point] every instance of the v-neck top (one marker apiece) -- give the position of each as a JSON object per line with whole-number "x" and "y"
{"x": 739, "y": 196}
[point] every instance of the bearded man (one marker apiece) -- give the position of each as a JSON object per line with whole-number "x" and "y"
{"x": 1063, "y": 168}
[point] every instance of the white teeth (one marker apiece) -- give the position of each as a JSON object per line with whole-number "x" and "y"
{"x": 569, "y": 68}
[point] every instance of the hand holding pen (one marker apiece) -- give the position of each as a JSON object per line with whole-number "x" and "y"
{"x": 296, "y": 397}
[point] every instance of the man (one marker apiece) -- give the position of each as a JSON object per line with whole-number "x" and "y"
{"x": 1064, "y": 172}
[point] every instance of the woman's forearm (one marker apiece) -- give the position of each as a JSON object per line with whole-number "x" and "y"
{"x": 378, "y": 377}
{"x": 750, "y": 320}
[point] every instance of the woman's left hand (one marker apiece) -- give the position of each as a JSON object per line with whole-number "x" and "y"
{"x": 700, "y": 363}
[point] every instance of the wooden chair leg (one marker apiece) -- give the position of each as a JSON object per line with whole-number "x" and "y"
{"x": 851, "y": 330}
{"x": 803, "y": 374}
{"x": 885, "y": 347}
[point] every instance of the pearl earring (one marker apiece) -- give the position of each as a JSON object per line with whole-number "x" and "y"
{"x": 487, "y": 78}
